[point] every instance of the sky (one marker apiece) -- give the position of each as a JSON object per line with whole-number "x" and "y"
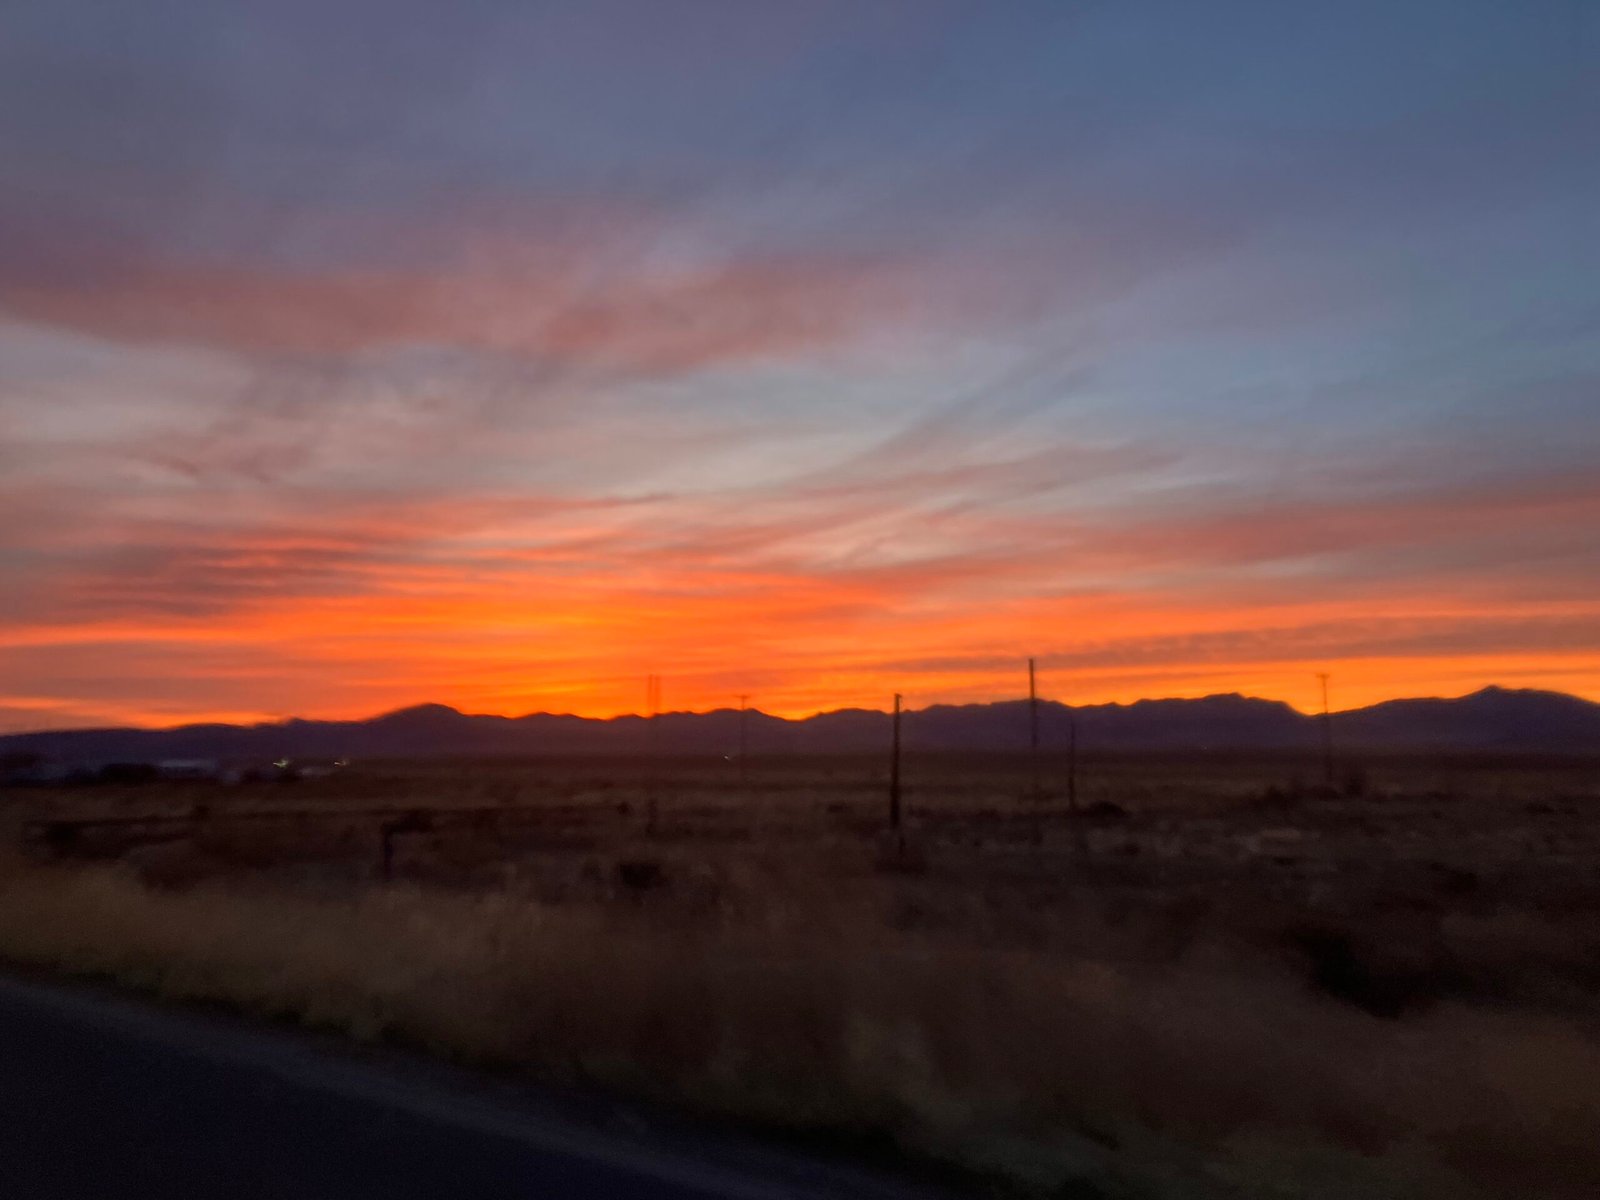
{"x": 361, "y": 353}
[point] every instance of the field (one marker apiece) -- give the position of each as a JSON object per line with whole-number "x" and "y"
{"x": 1221, "y": 976}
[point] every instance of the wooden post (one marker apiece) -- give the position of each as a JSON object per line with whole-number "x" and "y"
{"x": 1327, "y": 732}
{"x": 386, "y": 854}
{"x": 1072, "y": 764}
{"x": 744, "y": 743}
{"x": 653, "y": 702}
{"x": 416, "y": 821}
{"x": 894, "y": 769}
{"x": 1033, "y": 731}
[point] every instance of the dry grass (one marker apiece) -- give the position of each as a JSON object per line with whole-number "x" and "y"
{"x": 1233, "y": 985}
{"x": 1201, "y": 1076}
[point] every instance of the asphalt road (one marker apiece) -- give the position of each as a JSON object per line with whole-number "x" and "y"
{"x": 107, "y": 1098}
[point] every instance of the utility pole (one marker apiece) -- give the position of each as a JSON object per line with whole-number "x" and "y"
{"x": 1080, "y": 833}
{"x": 1072, "y": 763}
{"x": 744, "y": 741}
{"x": 652, "y": 689}
{"x": 1033, "y": 730}
{"x": 894, "y": 770}
{"x": 1327, "y": 731}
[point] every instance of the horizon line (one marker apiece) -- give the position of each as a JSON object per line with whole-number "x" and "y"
{"x": 622, "y": 716}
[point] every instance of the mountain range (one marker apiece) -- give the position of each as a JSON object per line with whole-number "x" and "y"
{"x": 1493, "y": 720}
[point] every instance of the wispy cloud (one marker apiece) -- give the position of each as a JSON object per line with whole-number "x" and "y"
{"x": 663, "y": 321}
{"x": 504, "y": 357}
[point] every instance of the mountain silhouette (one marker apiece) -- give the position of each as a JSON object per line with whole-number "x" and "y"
{"x": 1494, "y": 719}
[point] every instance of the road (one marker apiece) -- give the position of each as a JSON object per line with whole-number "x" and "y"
{"x": 113, "y": 1099}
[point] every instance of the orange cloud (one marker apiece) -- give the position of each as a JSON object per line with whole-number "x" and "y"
{"x": 403, "y": 608}
{"x": 929, "y": 561}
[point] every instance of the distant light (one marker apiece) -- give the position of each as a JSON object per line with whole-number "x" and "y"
{"x": 282, "y": 762}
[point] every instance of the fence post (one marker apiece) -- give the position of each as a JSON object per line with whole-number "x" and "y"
{"x": 386, "y": 853}
{"x": 416, "y": 821}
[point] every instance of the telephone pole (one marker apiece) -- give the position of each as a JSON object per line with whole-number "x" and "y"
{"x": 1072, "y": 763}
{"x": 744, "y": 741}
{"x": 894, "y": 770}
{"x": 652, "y": 689}
{"x": 1033, "y": 730}
{"x": 1327, "y": 731}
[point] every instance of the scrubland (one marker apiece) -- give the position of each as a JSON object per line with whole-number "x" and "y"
{"x": 1215, "y": 980}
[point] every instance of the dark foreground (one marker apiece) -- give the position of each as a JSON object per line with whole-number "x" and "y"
{"x": 101, "y": 1097}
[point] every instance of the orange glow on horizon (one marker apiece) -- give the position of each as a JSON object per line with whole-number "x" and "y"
{"x": 583, "y": 645}
{"x": 344, "y": 544}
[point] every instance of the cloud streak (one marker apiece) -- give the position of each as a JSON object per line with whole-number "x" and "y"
{"x": 667, "y": 322}
{"x": 352, "y": 358}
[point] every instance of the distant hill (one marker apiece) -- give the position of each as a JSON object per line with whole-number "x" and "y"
{"x": 1495, "y": 719}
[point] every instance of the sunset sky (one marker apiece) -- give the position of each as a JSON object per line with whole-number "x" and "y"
{"x": 357, "y": 353}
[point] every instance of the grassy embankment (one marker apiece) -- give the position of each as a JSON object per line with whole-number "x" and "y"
{"x": 1024, "y": 1065}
